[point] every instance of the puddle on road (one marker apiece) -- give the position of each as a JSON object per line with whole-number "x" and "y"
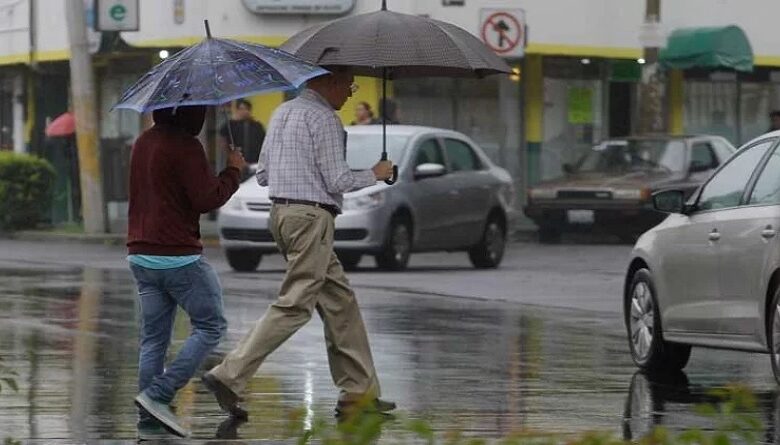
{"x": 483, "y": 368}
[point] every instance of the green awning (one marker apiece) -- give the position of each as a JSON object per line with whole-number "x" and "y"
{"x": 716, "y": 47}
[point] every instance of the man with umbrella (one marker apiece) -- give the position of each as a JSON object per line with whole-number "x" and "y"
{"x": 303, "y": 165}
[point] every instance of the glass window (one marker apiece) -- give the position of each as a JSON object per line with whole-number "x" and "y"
{"x": 767, "y": 189}
{"x": 429, "y": 152}
{"x": 723, "y": 149}
{"x": 461, "y": 156}
{"x": 725, "y": 189}
{"x": 635, "y": 155}
{"x": 364, "y": 150}
{"x": 703, "y": 157}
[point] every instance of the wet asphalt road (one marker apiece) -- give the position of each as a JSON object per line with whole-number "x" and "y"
{"x": 537, "y": 344}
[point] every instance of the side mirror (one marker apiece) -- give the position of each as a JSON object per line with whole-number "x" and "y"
{"x": 429, "y": 170}
{"x": 669, "y": 201}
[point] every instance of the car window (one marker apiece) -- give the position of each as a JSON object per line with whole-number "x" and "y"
{"x": 461, "y": 156}
{"x": 723, "y": 149}
{"x": 725, "y": 189}
{"x": 767, "y": 189}
{"x": 429, "y": 152}
{"x": 703, "y": 157}
{"x": 621, "y": 156}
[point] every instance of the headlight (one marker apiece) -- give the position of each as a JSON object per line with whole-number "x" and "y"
{"x": 364, "y": 202}
{"x": 632, "y": 194}
{"x": 543, "y": 193}
{"x": 234, "y": 204}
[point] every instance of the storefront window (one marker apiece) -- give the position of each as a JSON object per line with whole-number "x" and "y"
{"x": 573, "y": 112}
{"x": 710, "y": 108}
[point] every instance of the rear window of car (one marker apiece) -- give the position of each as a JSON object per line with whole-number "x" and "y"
{"x": 364, "y": 150}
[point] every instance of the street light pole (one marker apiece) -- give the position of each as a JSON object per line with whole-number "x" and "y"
{"x": 85, "y": 107}
{"x": 652, "y": 89}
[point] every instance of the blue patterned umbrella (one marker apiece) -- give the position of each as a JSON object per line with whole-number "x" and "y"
{"x": 215, "y": 72}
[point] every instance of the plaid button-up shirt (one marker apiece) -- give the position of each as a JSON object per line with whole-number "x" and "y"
{"x": 303, "y": 156}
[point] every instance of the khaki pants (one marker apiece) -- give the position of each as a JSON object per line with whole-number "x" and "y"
{"x": 314, "y": 280}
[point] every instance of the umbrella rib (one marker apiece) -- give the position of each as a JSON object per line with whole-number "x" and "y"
{"x": 174, "y": 64}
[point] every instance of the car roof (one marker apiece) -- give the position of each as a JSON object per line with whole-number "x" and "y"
{"x": 399, "y": 130}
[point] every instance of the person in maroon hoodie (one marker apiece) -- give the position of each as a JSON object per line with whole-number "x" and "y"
{"x": 171, "y": 185}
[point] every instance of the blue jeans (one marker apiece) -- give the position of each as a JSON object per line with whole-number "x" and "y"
{"x": 196, "y": 289}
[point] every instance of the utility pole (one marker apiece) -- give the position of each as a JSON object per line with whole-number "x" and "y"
{"x": 85, "y": 106}
{"x": 652, "y": 89}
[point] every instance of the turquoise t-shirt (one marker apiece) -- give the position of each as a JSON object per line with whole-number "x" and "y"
{"x": 162, "y": 262}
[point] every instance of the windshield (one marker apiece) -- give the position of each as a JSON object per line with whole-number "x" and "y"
{"x": 364, "y": 150}
{"x": 635, "y": 155}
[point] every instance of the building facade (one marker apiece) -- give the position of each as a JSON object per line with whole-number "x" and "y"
{"x": 574, "y": 84}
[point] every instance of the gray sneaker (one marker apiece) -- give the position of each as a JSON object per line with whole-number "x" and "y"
{"x": 162, "y": 412}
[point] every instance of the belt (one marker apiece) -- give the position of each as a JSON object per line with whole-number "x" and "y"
{"x": 333, "y": 210}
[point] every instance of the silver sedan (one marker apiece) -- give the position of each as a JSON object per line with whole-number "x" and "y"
{"x": 449, "y": 196}
{"x": 709, "y": 275}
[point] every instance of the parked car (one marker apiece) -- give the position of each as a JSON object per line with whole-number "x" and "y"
{"x": 709, "y": 275}
{"x": 449, "y": 196}
{"x": 611, "y": 186}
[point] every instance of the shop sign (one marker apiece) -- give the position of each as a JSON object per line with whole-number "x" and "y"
{"x": 580, "y": 105}
{"x": 503, "y": 30}
{"x": 117, "y": 15}
{"x": 334, "y": 7}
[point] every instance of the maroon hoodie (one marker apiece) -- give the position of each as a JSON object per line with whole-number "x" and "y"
{"x": 171, "y": 185}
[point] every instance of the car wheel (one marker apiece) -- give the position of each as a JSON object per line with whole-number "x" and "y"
{"x": 490, "y": 250}
{"x": 773, "y": 334}
{"x": 243, "y": 260}
{"x": 398, "y": 247}
{"x": 549, "y": 234}
{"x": 645, "y": 336}
{"x": 349, "y": 260}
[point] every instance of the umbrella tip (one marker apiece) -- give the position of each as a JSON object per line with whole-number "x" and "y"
{"x": 208, "y": 28}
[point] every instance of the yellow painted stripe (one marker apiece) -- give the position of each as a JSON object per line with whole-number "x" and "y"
{"x": 534, "y": 98}
{"x": 548, "y": 49}
{"x": 191, "y": 40}
{"x": 676, "y": 102}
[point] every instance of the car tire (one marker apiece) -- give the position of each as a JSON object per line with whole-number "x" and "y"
{"x": 349, "y": 260}
{"x": 398, "y": 246}
{"x": 549, "y": 234}
{"x": 773, "y": 334}
{"x": 649, "y": 350}
{"x": 490, "y": 250}
{"x": 243, "y": 260}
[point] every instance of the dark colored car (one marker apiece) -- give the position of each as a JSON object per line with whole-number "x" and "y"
{"x": 610, "y": 188}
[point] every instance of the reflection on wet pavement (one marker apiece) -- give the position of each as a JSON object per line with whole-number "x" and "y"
{"x": 483, "y": 368}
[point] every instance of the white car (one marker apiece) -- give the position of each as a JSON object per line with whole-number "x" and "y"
{"x": 448, "y": 196}
{"x": 709, "y": 275}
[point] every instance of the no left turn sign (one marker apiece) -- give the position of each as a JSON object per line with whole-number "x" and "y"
{"x": 503, "y": 30}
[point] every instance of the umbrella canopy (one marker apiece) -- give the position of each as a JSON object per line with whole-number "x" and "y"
{"x": 214, "y": 72}
{"x": 404, "y": 45}
{"x": 62, "y": 126}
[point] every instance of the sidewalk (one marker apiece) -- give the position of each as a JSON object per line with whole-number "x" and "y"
{"x": 208, "y": 231}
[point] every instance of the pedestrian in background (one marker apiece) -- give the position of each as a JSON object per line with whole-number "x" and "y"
{"x": 389, "y": 112}
{"x": 304, "y": 167}
{"x": 248, "y": 134}
{"x": 364, "y": 115}
{"x": 171, "y": 185}
{"x": 774, "y": 121}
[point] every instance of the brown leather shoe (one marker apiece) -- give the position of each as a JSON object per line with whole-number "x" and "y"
{"x": 227, "y": 399}
{"x": 377, "y": 406}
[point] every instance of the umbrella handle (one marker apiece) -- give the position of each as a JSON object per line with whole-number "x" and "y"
{"x": 392, "y": 180}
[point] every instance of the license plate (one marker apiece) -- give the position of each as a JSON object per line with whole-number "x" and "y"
{"x": 580, "y": 216}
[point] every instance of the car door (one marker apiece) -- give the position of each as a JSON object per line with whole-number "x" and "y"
{"x": 691, "y": 266}
{"x": 470, "y": 191}
{"x": 431, "y": 198}
{"x": 748, "y": 247}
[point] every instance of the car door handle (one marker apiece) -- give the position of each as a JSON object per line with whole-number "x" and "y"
{"x": 454, "y": 192}
{"x": 768, "y": 233}
{"x": 714, "y": 235}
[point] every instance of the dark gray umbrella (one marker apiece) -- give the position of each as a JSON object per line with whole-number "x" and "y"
{"x": 390, "y": 45}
